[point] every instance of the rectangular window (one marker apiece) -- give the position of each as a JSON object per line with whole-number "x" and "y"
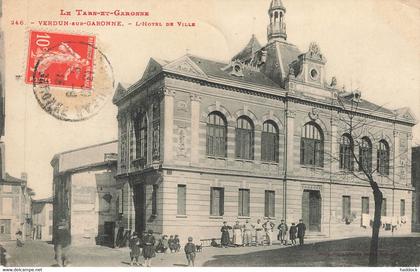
{"x": 7, "y": 206}
{"x": 182, "y": 199}
{"x": 383, "y": 209}
{"x": 402, "y": 207}
{"x": 365, "y": 205}
{"x": 217, "y": 201}
{"x": 50, "y": 215}
{"x": 346, "y": 207}
{"x": 154, "y": 199}
{"x": 243, "y": 202}
{"x": 50, "y": 230}
{"x": 7, "y": 188}
{"x": 269, "y": 204}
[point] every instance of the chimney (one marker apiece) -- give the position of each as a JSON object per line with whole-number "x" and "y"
{"x": 24, "y": 176}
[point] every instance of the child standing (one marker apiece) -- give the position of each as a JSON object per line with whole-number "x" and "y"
{"x": 176, "y": 243}
{"x": 190, "y": 250}
{"x": 134, "y": 249}
{"x": 293, "y": 231}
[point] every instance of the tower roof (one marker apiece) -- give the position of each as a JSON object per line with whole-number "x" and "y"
{"x": 277, "y": 4}
{"x": 249, "y": 50}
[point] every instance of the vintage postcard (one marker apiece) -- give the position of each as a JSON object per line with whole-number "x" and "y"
{"x": 210, "y": 133}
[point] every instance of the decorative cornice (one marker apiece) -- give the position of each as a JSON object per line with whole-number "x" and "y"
{"x": 290, "y": 114}
{"x": 195, "y": 97}
{"x": 168, "y": 92}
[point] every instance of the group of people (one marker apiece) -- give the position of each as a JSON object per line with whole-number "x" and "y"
{"x": 148, "y": 246}
{"x": 264, "y": 233}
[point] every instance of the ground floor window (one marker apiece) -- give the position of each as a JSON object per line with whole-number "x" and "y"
{"x": 269, "y": 204}
{"x": 216, "y": 201}
{"x": 383, "y": 209}
{"x": 365, "y": 205}
{"x": 243, "y": 204}
{"x": 402, "y": 207}
{"x": 182, "y": 199}
{"x": 346, "y": 207}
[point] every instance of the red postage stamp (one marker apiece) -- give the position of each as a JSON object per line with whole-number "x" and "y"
{"x": 61, "y": 60}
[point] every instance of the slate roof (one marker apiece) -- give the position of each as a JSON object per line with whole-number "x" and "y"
{"x": 11, "y": 179}
{"x": 364, "y": 104}
{"x": 249, "y": 50}
{"x": 216, "y": 69}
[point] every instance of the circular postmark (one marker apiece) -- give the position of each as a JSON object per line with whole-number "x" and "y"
{"x": 72, "y": 79}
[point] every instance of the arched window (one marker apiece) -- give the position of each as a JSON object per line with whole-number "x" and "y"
{"x": 365, "y": 155}
{"x": 383, "y": 158}
{"x": 346, "y": 152}
{"x": 270, "y": 142}
{"x": 140, "y": 126}
{"x": 216, "y": 135}
{"x": 244, "y": 138}
{"x": 312, "y": 145}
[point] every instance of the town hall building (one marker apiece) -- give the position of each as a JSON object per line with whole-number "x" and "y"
{"x": 263, "y": 135}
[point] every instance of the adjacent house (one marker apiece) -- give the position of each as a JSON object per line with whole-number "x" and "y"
{"x": 85, "y": 193}
{"x": 15, "y": 207}
{"x": 42, "y": 219}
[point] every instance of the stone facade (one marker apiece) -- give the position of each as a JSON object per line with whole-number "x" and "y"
{"x": 86, "y": 194}
{"x": 15, "y": 207}
{"x": 165, "y": 163}
{"x": 42, "y": 219}
{"x": 415, "y": 170}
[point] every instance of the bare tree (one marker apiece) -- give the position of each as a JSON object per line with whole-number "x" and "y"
{"x": 356, "y": 125}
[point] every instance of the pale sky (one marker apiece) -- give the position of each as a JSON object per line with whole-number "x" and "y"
{"x": 370, "y": 45}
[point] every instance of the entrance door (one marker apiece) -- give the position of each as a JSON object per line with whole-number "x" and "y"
{"x": 140, "y": 203}
{"x": 311, "y": 210}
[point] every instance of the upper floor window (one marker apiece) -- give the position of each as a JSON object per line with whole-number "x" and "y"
{"x": 270, "y": 142}
{"x": 383, "y": 158}
{"x": 365, "y": 155}
{"x": 244, "y": 138}
{"x": 216, "y": 135}
{"x": 312, "y": 145}
{"x": 346, "y": 152}
{"x": 140, "y": 126}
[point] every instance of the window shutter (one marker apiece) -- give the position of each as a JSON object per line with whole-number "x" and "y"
{"x": 246, "y": 202}
{"x": 222, "y": 202}
{"x": 266, "y": 204}
{"x": 263, "y": 146}
{"x": 272, "y": 204}
{"x": 182, "y": 195}
{"x": 211, "y": 201}
{"x": 402, "y": 207}
{"x": 240, "y": 202}
{"x": 238, "y": 143}
{"x": 302, "y": 151}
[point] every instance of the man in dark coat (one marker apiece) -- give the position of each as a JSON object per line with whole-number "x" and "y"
{"x": 62, "y": 241}
{"x": 301, "y": 228}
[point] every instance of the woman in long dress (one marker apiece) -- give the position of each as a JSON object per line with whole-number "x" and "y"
{"x": 225, "y": 241}
{"x": 237, "y": 234}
